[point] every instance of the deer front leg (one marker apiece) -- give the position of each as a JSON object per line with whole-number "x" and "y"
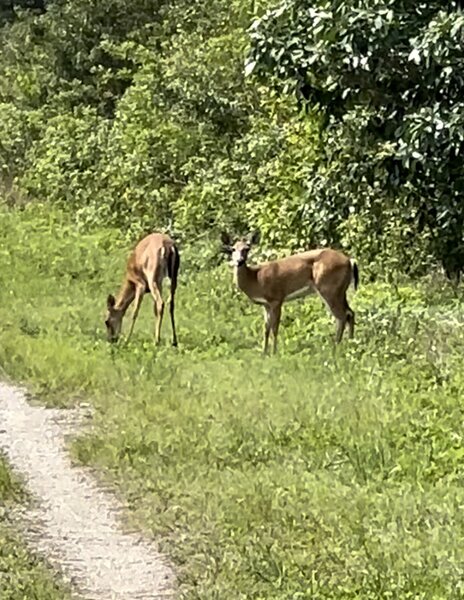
{"x": 139, "y": 291}
{"x": 267, "y": 328}
{"x": 275, "y": 322}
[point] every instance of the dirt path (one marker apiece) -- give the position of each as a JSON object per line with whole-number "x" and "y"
{"x": 73, "y": 522}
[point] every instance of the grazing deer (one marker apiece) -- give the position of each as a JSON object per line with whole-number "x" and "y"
{"x": 325, "y": 271}
{"x": 154, "y": 258}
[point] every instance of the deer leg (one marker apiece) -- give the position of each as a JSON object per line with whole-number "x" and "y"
{"x": 350, "y": 319}
{"x": 160, "y": 309}
{"x": 171, "y": 312}
{"x": 267, "y": 328}
{"x": 341, "y": 323}
{"x": 139, "y": 291}
{"x": 155, "y": 290}
{"x": 275, "y": 322}
{"x": 338, "y": 306}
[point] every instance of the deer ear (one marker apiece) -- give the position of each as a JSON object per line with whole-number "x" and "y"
{"x": 226, "y": 243}
{"x": 110, "y": 301}
{"x": 225, "y": 239}
{"x": 254, "y": 237}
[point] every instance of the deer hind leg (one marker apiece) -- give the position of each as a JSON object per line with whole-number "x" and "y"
{"x": 350, "y": 320}
{"x": 345, "y": 316}
{"x": 267, "y": 328}
{"x": 338, "y": 306}
{"x": 173, "y": 270}
{"x": 155, "y": 290}
{"x": 340, "y": 318}
{"x": 171, "y": 311}
{"x": 139, "y": 292}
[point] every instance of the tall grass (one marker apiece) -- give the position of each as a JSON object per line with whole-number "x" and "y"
{"x": 313, "y": 474}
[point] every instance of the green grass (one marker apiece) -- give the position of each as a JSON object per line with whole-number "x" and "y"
{"x": 303, "y": 476}
{"x": 22, "y": 576}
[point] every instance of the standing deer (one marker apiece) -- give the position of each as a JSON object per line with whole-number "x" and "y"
{"x": 153, "y": 258}
{"x": 325, "y": 271}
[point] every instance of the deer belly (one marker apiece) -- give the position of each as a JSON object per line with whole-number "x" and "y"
{"x": 301, "y": 293}
{"x": 261, "y": 301}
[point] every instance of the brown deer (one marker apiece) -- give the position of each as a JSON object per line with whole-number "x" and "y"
{"x": 324, "y": 271}
{"x": 153, "y": 258}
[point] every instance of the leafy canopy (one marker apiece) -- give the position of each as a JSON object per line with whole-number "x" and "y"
{"x": 389, "y": 76}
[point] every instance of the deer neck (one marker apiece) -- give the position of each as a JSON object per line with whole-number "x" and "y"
{"x": 245, "y": 278}
{"x": 125, "y": 297}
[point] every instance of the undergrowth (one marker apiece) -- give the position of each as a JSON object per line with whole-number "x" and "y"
{"x": 312, "y": 474}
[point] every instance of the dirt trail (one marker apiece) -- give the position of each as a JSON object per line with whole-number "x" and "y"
{"x": 73, "y": 522}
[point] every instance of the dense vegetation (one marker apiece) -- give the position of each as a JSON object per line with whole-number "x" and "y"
{"x": 345, "y": 126}
{"x": 308, "y": 475}
{"x": 389, "y": 77}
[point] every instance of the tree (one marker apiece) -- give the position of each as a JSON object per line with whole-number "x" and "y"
{"x": 8, "y": 8}
{"x": 388, "y": 75}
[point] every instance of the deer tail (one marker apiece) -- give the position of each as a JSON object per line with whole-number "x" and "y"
{"x": 354, "y": 274}
{"x": 173, "y": 263}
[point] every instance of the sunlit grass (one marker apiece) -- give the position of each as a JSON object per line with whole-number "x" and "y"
{"x": 313, "y": 474}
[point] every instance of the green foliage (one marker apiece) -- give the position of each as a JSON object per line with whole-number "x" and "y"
{"x": 143, "y": 117}
{"x": 311, "y": 474}
{"x": 263, "y": 179}
{"x": 63, "y": 162}
{"x": 148, "y": 121}
{"x": 388, "y": 78}
{"x": 10, "y": 8}
{"x": 18, "y": 130}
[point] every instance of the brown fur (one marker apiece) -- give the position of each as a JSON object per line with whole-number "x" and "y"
{"x": 153, "y": 258}
{"x": 325, "y": 271}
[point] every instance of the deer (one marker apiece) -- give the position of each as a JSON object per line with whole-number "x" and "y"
{"x": 154, "y": 257}
{"x": 324, "y": 271}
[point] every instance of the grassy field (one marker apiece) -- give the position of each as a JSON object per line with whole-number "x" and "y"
{"x": 21, "y": 576}
{"x": 308, "y": 475}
